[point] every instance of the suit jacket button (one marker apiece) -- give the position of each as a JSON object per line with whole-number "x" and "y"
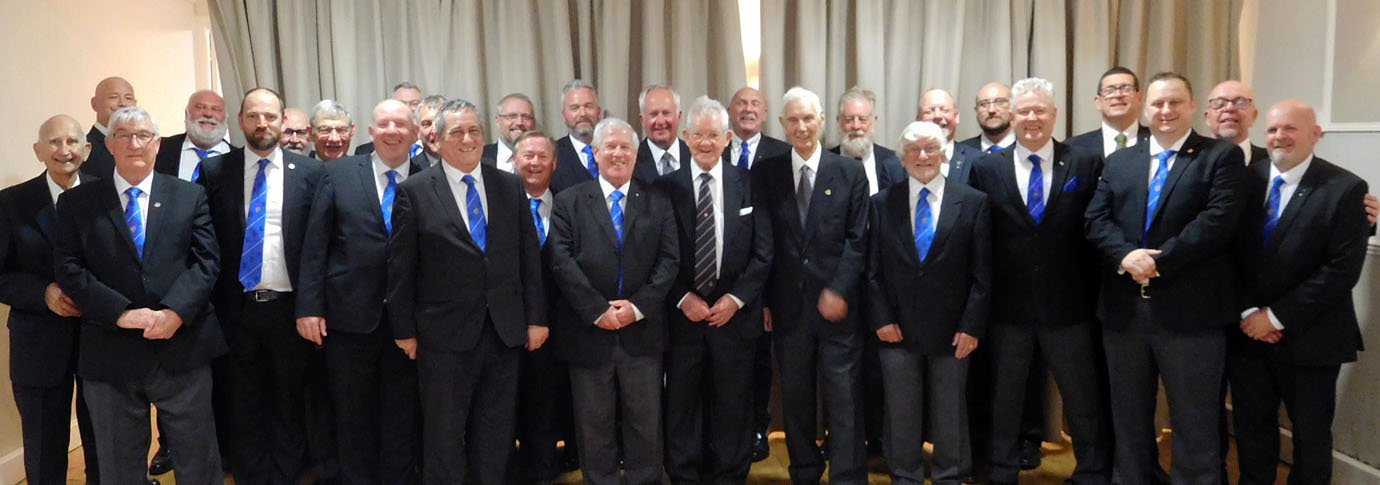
{"x": 807, "y": 261}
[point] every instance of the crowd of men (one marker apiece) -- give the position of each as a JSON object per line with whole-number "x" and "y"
{"x": 407, "y": 313}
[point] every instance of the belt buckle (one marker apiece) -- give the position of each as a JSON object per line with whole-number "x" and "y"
{"x": 260, "y": 296}
{"x": 1145, "y": 292}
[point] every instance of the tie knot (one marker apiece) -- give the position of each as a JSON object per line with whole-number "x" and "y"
{"x": 1034, "y": 159}
{"x": 202, "y": 154}
{"x": 263, "y": 164}
{"x": 1120, "y": 138}
{"x": 534, "y": 202}
{"x": 133, "y": 192}
{"x": 994, "y": 149}
{"x": 393, "y": 176}
{"x": 589, "y": 151}
{"x": 924, "y": 193}
{"x": 617, "y": 196}
{"x": 468, "y": 180}
{"x": 705, "y": 178}
{"x": 805, "y": 170}
{"x": 1163, "y": 156}
{"x": 745, "y": 144}
{"x": 1279, "y": 180}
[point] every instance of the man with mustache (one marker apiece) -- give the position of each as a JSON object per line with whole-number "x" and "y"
{"x": 1118, "y": 98}
{"x": 993, "y": 110}
{"x": 112, "y": 93}
{"x": 514, "y": 116}
{"x": 574, "y": 156}
{"x": 855, "y": 122}
{"x": 181, "y": 155}
{"x": 296, "y": 132}
{"x": 331, "y": 130}
{"x": 425, "y": 119}
{"x": 661, "y": 152}
{"x": 937, "y": 106}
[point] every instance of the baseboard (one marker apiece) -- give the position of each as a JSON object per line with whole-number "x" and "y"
{"x": 12, "y": 463}
{"x": 1345, "y": 469}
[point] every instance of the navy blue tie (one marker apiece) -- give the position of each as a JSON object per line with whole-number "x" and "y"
{"x": 1034, "y": 191}
{"x": 132, "y": 219}
{"x": 415, "y": 150}
{"x": 252, "y": 254}
{"x": 1152, "y": 200}
{"x": 536, "y": 220}
{"x": 616, "y": 213}
{"x": 390, "y": 194}
{"x": 924, "y": 225}
{"x": 1272, "y": 208}
{"x": 589, "y": 162}
{"x": 745, "y": 157}
{"x": 200, "y": 155}
{"x": 479, "y": 230}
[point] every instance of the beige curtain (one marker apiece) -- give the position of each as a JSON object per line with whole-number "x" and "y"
{"x": 479, "y": 50}
{"x": 900, "y": 48}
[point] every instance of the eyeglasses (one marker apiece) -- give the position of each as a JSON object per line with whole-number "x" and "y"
{"x": 141, "y": 136}
{"x": 302, "y": 132}
{"x": 1222, "y": 103}
{"x": 1120, "y": 88}
{"x": 511, "y": 117}
{"x": 696, "y": 137}
{"x": 936, "y": 110}
{"x": 993, "y": 103}
{"x": 327, "y": 130}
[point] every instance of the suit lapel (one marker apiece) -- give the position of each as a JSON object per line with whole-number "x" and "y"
{"x": 1295, "y": 205}
{"x": 234, "y": 172}
{"x": 440, "y": 185}
{"x": 39, "y": 202}
{"x": 784, "y": 176}
{"x": 1140, "y": 170}
{"x": 1059, "y": 178}
{"x": 116, "y": 213}
{"x": 945, "y": 225}
{"x": 153, "y": 227}
{"x": 731, "y": 203}
{"x": 633, "y": 207}
{"x": 599, "y": 210}
{"x": 365, "y": 169}
{"x": 686, "y": 198}
{"x": 820, "y": 191}
{"x": 898, "y": 206}
{"x": 1187, "y": 154}
{"x": 1013, "y": 190}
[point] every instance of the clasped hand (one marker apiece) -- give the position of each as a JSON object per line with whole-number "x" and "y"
{"x": 156, "y": 324}
{"x": 619, "y": 314}
{"x": 1140, "y": 264}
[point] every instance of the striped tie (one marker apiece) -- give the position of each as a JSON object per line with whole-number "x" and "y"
{"x": 479, "y": 230}
{"x": 252, "y": 254}
{"x": 133, "y": 216}
{"x": 706, "y": 252}
{"x": 616, "y": 213}
{"x": 1272, "y": 208}
{"x": 1152, "y": 200}
{"x": 1035, "y": 191}
{"x": 924, "y": 225}
{"x": 390, "y": 194}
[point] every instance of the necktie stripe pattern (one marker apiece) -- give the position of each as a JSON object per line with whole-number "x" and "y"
{"x": 924, "y": 225}
{"x": 479, "y": 230}
{"x": 132, "y": 220}
{"x": 745, "y": 158}
{"x": 803, "y": 190}
{"x": 1272, "y": 208}
{"x": 1035, "y": 197}
{"x": 1152, "y": 200}
{"x": 252, "y": 254}
{"x": 616, "y": 214}
{"x": 536, "y": 220}
{"x": 706, "y": 252}
{"x": 390, "y": 194}
{"x": 589, "y": 162}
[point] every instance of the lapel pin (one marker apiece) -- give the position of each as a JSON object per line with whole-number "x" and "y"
{"x": 292, "y": 166}
{"x": 1059, "y": 163}
{"x": 1190, "y": 150}
{"x": 157, "y": 204}
{"x": 828, "y": 192}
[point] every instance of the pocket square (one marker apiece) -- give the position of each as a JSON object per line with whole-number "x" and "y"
{"x": 1073, "y": 185}
{"x": 744, "y": 211}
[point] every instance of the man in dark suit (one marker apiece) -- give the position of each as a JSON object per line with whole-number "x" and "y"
{"x": 747, "y": 113}
{"x": 1299, "y": 253}
{"x": 615, "y": 257}
{"x": 260, "y": 198}
{"x": 427, "y": 150}
{"x": 1118, "y": 98}
{"x": 43, "y": 320}
{"x": 112, "y": 93}
{"x": 574, "y": 156}
{"x": 817, "y": 202}
{"x": 855, "y": 123}
{"x": 331, "y": 130}
{"x": 661, "y": 151}
{"x": 373, "y": 384}
{"x": 1043, "y": 305}
{"x": 1161, "y": 219}
{"x": 181, "y": 155}
{"x": 1230, "y": 113}
{"x": 937, "y": 106}
{"x": 714, "y": 307}
{"x": 992, "y": 107}
{"x": 928, "y": 280}
{"x": 410, "y": 95}
{"x": 138, "y": 256}
{"x": 514, "y": 115}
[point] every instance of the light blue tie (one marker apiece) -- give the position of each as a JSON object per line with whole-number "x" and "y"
{"x": 390, "y": 193}
{"x": 252, "y": 255}
{"x": 616, "y": 213}
{"x": 479, "y": 230}
{"x": 924, "y": 225}
{"x": 1272, "y": 208}
{"x": 536, "y": 220}
{"x": 589, "y": 162}
{"x": 1152, "y": 200}
{"x": 132, "y": 219}
{"x": 1034, "y": 191}
{"x": 745, "y": 158}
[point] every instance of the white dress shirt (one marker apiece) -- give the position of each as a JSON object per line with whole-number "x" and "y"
{"x": 145, "y": 187}
{"x": 503, "y": 158}
{"x": 935, "y": 198}
{"x": 869, "y": 164}
{"x": 544, "y": 209}
{"x": 716, "y": 190}
{"x": 797, "y": 162}
{"x": 460, "y": 189}
{"x": 1286, "y": 192}
{"x": 1024, "y": 167}
{"x": 1246, "y": 150}
{"x": 674, "y": 150}
{"x": 608, "y": 189}
{"x": 381, "y": 174}
{"x": 1155, "y": 149}
{"x": 948, "y": 155}
{"x": 1109, "y": 137}
{"x": 56, "y": 190}
{"x": 274, "y": 274}
{"x": 1006, "y": 141}
{"x": 101, "y": 128}
{"x": 189, "y": 159}
{"x": 736, "y": 148}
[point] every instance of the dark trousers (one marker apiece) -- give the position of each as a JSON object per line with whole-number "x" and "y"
{"x": 45, "y": 423}
{"x": 268, "y": 374}
{"x": 630, "y": 385}
{"x": 1191, "y": 366}
{"x": 834, "y": 362}
{"x": 912, "y": 379}
{"x": 120, "y": 415}
{"x": 321, "y": 418}
{"x": 708, "y": 406}
{"x": 377, "y": 410}
{"x": 1260, "y": 381}
{"x": 546, "y": 415}
{"x": 468, "y": 401}
{"x": 761, "y": 384}
{"x": 1071, "y": 354}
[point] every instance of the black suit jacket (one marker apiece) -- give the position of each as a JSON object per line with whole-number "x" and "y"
{"x": 963, "y": 158}
{"x": 746, "y": 256}
{"x": 946, "y": 293}
{"x": 570, "y": 168}
{"x": 365, "y": 149}
{"x": 344, "y": 271}
{"x": 767, "y": 147}
{"x": 1048, "y": 271}
{"x": 1092, "y": 140}
{"x": 889, "y": 171}
{"x": 1305, "y": 271}
{"x": 646, "y": 169}
{"x": 1259, "y": 153}
{"x": 170, "y": 154}
{"x": 98, "y": 267}
{"x": 829, "y": 251}
{"x": 223, "y": 177}
{"x": 42, "y": 344}
{"x": 1199, "y": 207}
{"x": 100, "y": 163}
{"x": 587, "y": 263}
{"x": 432, "y": 246}
{"x": 976, "y": 142}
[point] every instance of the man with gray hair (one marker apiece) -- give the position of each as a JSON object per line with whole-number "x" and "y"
{"x": 817, "y": 204}
{"x": 662, "y": 152}
{"x": 714, "y": 307}
{"x": 856, "y": 120}
{"x": 426, "y": 152}
{"x": 181, "y": 155}
{"x": 331, "y": 130}
{"x": 410, "y": 95}
{"x": 296, "y": 132}
{"x": 1044, "y": 303}
{"x": 574, "y": 156}
{"x": 514, "y": 116}
{"x": 938, "y": 106}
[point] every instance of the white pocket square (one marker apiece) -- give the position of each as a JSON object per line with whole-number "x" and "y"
{"x": 744, "y": 211}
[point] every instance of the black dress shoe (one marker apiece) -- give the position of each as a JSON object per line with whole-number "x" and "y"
{"x": 153, "y": 481}
{"x": 1030, "y": 455}
{"x": 161, "y": 462}
{"x": 761, "y": 448}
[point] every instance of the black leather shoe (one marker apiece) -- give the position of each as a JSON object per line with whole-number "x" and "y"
{"x": 161, "y": 462}
{"x": 761, "y": 447}
{"x": 1030, "y": 455}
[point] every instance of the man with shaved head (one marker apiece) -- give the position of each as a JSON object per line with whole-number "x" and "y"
{"x": 296, "y": 132}
{"x": 1300, "y": 248}
{"x": 410, "y": 95}
{"x": 993, "y": 110}
{"x": 43, "y": 321}
{"x": 112, "y": 93}
{"x": 181, "y": 155}
{"x": 937, "y": 106}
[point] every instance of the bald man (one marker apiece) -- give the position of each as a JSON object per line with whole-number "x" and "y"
{"x": 993, "y": 111}
{"x": 937, "y": 106}
{"x": 112, "y": 93}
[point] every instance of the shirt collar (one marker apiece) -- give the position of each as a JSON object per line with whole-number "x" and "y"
{"x": 121, "y": 185}
{"x": 1046, "y": 152}
{"x": 609, "y": 188}
{"x": 738, "y": 142}
{"x": 251, "y": 159}
{"x": 455, "y": 176}
{"x": 54, "y": 189}
{"x": 936, "y": 185}
{"x": 948, "y": 151}
{"x": 381, "y": 168}
{"x": 674, "y": 150}
{"x": 220, "y": 147}
{"x": 578, "y": 145}
{"x": 502, "y": 152}
{"x": 1246, "y": 150}
{"x": 1294, "y": 175}
{"x": 1005, "y": 141}
{"x": 546, "y": 196}
{"x": 101, "y": 128}
{"x": 1155, "y": 147}
{"x": 812, "y": 162}
{"x": 1131, "y": 131}
{"x": 717, "y": 172}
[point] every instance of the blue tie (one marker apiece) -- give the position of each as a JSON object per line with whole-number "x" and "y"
{"x": 1272, "y": 208}
{"x": 252, "y": 255}
{"x": 200, "y": 155}
{"x": 994, "y": 149}
{"x": 745, "y": 158}
{"x": 478, "y": 229}
{"x": 536, "y": 220}
{"x": 589, "y": 157}
{"x": 616, "y": 212}
{"x": 1034, "y": 190}
{"x": 924, "y": 225}
{"x": 1156, "y": 185}
{"x": 136, "y": 227}
{"x": 390, "y": 193}
{"x": 416, "y": 149}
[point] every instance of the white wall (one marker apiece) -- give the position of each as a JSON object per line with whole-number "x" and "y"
{"x": 55, "y": 52}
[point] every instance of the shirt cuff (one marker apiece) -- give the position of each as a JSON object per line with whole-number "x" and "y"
{"x": 1274, "y": 320}
{"x": 1248, "y": 312}
{"x": 637, "y": 313}
{"x": 681, "y": 301}
{"x": 737, "y": 300}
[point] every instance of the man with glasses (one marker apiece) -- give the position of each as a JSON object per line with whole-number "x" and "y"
{"x": 296, "y": 132}
{"x": 331, "y": 130}
{"x": 856, "y": 120}
{"x": 937, "y": 106}
{"x": 993, "y": 110}
{"x": 515, "y": 117}
{"x": 1118, "y": 99}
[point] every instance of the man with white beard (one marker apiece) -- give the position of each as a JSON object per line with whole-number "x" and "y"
{"x": 181, "y": 155}
{"x": 856, "y": 120}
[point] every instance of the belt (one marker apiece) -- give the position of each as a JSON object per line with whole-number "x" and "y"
{"x": 262, "y": 296}
{"x": 1145, "y": 292}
